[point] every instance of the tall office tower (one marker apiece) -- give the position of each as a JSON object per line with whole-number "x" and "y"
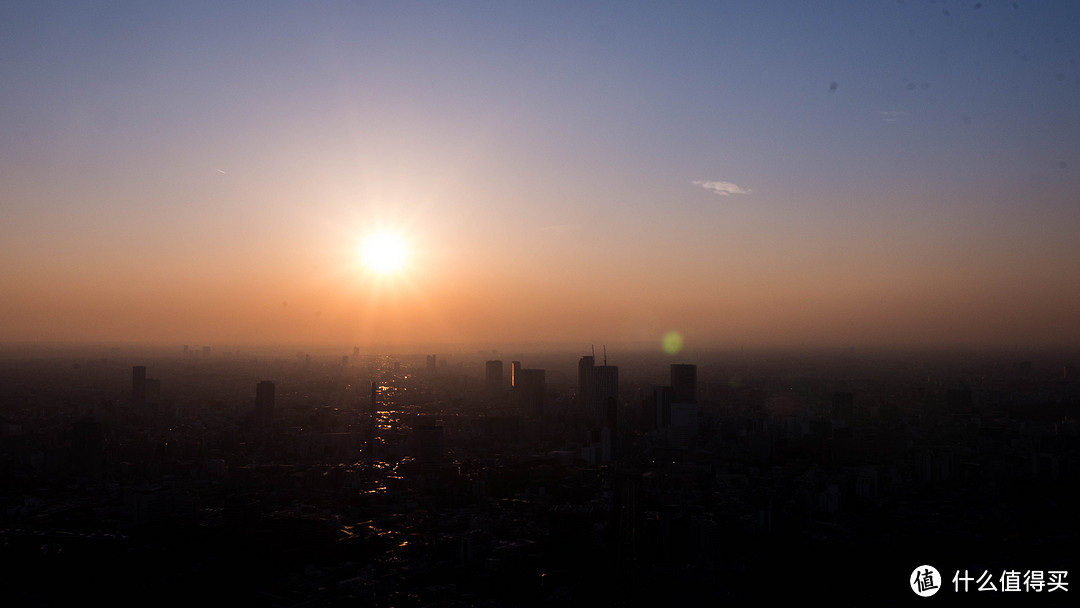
{"x": 683, "y": 383}
{"x": 356, "y": 352}
{"x": 683, "y": 410}
{"x": 431, "y": 364}
{"x": 186, "y": 353}
{"x": 515, "y": 371}
{"x": 206, "y": 351}
{"x": 530, "y": 390}
{"x": 344, "y": 360}
{"x": 264, "y": 402}
{"x": 583, "y": 366}
{"x": 493, "y": 376}
{"x": 601, "y": 384}
{"x": 138, "y": 385}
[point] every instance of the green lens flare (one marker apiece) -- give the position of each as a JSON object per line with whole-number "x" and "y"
{"x": 672, "y": 342}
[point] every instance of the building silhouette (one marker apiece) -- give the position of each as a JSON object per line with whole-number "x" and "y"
{"x": 585, "y": 364}
{"x": 683, "y": 383}
{"x": 601, "y": 384}
{"x": 677, "y": 409}
{"x": 515, "y": 372}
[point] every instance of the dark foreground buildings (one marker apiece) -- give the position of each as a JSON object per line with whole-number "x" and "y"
{"x": 727, "y": 481}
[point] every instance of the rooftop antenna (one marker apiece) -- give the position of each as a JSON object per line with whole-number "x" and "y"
{"x": 593, "y": 348}
{"x": 605, "y": 355}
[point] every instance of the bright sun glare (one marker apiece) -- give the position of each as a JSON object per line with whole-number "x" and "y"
{"x": 384, "y": 253}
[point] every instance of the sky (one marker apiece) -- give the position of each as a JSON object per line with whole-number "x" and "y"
{"x": 863, "y": 173}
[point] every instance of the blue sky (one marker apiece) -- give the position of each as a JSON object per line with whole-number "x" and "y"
{"x": 899, "y": 170}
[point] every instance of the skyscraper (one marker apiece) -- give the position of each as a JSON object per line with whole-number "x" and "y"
{"x": 683, "y": 383}
{"x": 601, "y": 384}
{"x": 584, "y": 365}
{"x": 682, "y": 411}
{"x": 515, "y": 372}
{"x": 264, "y": 402}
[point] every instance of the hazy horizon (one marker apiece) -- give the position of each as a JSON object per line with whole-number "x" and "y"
{"x": 461, "y": 351}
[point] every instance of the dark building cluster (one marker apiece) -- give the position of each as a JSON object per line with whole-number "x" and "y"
{"x": 372, "y": 480}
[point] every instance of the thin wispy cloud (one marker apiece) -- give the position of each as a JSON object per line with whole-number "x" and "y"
{"x": 723, "y": 188}
{"x": 892, "y": 116}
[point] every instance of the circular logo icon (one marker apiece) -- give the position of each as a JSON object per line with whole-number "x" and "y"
{"x": 925, "y": 581}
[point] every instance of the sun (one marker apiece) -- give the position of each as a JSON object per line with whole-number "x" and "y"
{"x": 384, "y": 253}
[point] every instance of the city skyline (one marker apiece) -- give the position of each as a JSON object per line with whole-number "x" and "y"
{"x": 892, "y": 174}
{"x": 717, "y": 473}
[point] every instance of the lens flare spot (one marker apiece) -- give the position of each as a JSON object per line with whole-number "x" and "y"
{"x": 672, "y": 342}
